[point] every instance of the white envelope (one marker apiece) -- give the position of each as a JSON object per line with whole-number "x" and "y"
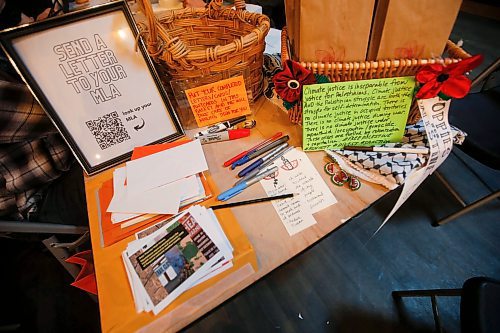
{"x": 165, "y": 167}
{"x": 160, "y": 200}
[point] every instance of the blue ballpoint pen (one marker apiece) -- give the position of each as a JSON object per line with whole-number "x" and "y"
{"x": 253, "y": 154}
{"x": 226, "y": 195}
{"x": 262, "y": 160}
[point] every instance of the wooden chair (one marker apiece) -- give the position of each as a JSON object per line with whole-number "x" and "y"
{"x": 478, "y": 114}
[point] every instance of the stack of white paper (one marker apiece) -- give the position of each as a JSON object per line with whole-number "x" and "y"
{"x": 174, "y": 255}
{"x": 160, "y": 183}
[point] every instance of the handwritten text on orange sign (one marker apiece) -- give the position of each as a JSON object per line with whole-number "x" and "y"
{"x": 219, "y": 101}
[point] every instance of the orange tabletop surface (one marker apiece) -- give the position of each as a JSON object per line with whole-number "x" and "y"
{"x": 258, "y": 236}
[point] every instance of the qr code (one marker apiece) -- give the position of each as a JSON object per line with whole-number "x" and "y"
{"x": 108, "y": 130}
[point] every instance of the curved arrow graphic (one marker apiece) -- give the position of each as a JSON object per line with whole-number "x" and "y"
{"x": 138, "y": 127}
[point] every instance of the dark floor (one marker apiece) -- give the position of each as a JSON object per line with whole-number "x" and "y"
{"x": 342, "y": 284}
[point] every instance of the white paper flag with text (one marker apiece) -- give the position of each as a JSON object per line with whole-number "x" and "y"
{"x": 434, "y": 113}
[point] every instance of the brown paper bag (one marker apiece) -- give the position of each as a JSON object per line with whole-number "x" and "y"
{"x": 329, "y": 30}
{"x": 411, "y": 29}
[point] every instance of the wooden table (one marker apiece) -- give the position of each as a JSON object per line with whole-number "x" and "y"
{"x": 272, "y": 245}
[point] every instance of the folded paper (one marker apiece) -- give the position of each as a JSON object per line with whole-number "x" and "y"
{"x": 85, "y": 280}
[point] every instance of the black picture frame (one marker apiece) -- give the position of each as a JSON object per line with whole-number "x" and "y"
{"x": 103, "y": 96}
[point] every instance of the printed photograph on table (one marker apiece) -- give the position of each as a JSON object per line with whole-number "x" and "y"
{"x": 185, "y": 251}
{"x": 103, "y": 96}
{"x": 212, "y": 98}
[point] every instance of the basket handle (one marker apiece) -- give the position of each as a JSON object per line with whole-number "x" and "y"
{"x": 215, "y": 4}
{"x": 177, "y": 47}
{"x": 454, "y": 51}
{"x": 152, "y": 37}
{"x": 158, "y": 41}
{"x": 238, "y": 4}
{"x": 285, "y": 53}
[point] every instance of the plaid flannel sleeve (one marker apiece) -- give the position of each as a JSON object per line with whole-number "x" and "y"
{"x": 32, "y": 154}
{"x": 21, "y": 117}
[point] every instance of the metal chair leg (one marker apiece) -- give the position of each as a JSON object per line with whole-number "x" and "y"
{"x": 435, "y": 313}
{"x": 432, "y": 293}
{"x": 449, "y": 188}
{"x": 426, "y": 292}
{"x": 61, "y": 254}
{"x": 73, "y": 245}
{"x": 41, "y": 228}
{"x": 467, "y": 209}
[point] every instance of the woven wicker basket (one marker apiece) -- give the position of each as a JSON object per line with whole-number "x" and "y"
{"x": 365, "y": 70}
{"x": 197, "y": 42}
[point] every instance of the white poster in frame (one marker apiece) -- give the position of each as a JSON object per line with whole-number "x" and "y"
{"x": 103, "y": 96}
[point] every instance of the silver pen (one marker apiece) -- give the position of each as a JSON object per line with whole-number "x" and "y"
{"x": 263, "y": 168}
{"x": 256, "y": 164}
{"x": 237, "y": 189}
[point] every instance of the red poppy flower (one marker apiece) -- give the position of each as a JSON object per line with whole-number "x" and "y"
{"x": 288, "y": 83}
{"x": 449, "y": 80}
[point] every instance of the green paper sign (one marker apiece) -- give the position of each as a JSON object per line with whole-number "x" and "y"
{"x": 355, "y": 113}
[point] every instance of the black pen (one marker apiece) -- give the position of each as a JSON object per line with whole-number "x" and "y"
{"x": 224, "y": 126}
{"x": 259, "y": 162}
{"x": 248, "y": 202}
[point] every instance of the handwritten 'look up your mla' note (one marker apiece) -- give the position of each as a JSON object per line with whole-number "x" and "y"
{"x": 362, "y": 113}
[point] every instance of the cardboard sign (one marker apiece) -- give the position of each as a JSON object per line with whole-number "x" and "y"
{"x": 219, "y": 101}
{"x": 355, "y": 113}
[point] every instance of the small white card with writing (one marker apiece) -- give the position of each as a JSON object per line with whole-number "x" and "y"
{"x": 296, "y": 174}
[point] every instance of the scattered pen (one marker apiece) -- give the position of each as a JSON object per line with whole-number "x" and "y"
{"x": 254, "y": 173}
{"x": 263, "y": 159}
{"x": 228, "y": 194}
{"x": 248, "y": 202}
{"x": 224, "y": 136}
{"x": 263, "y": 168}
{"x": 253, "y": 154}
{"x": 220, "y": 127}
{"x": 240, "y": 155}
{"x": 389, "y": 149}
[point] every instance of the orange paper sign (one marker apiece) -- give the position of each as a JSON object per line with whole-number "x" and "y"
{"x": 219, "y": 101}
